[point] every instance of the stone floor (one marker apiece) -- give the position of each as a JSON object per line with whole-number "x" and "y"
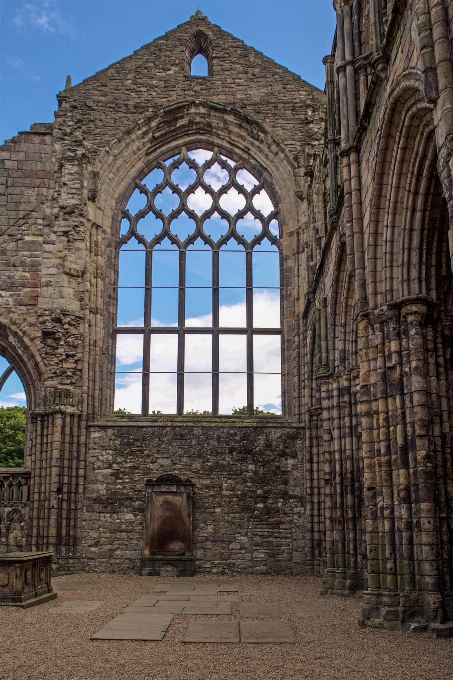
{"x": 120, "y": 627}
{"x": 149, "y": 617}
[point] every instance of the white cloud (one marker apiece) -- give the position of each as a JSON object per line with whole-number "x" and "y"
{"x": 18, "y": 64}
{"x": 233, "y": 392}
{"x": 246, "y": 179}
{"x": 42, "y": 16}
{"x": 199, "y": 321}
{"x": 198, "y": 353}
{"x": 263, "y": 203}
{"x": 18, "y": 396}
{"x": 16, "y": 399}
{"x": 162, "y": 392}
{"x": 216, "y": 177}
{"x": 268, "y": 393}
{"x": 199, "y": 201}
{"x": 128, "y": 392}
{"x": 129, "y": 349}
{"x": 200, "y": 156}
{"x": 266, "y": 309}
{"x": 249, "y": 227}
{"x": 164, "y": 353}
{"x": 232, "y": 201}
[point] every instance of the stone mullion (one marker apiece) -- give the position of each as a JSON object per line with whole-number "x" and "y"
{"x": 322, "y": 507}
{"x": 71, "y": 528}
{"x": 36, "y": 484}
{"x": 67, "y": 521}
{"x": 369, "y": 463}
{"x": 425, "y": 535}
{"x": 309, "y": 490}
{"x": 339, "y": 521}
{"x": 57, "y": 462}
{"x": 96, "y": 346}
{"x": 357, "y": 232}
{"x": 386, "y": 457}
{"x": 445, "y": 352}
{"x": 348, "y": 485}
{"x": 45, "y": 519}
{"x": 328, "y": 490}
{"x": 448, "y": 420}
{"x": 317, "y": 484}
{"x": 444, "y": 471}
{"x": 358, "y": 474}
{"x": 398, "y": 446}
{"x": 80, "y": 442}
{"x": 379, "y": 547}
{"x": 64, "y": 489}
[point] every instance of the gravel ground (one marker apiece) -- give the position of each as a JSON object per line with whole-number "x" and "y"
{"x": 36, "y": 643}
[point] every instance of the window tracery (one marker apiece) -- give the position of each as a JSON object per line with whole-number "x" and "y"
{"x": 199, "y": 313}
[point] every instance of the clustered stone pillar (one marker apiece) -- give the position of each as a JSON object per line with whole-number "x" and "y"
{"x": 408, "y": 561}
{"x": 57, "y": 464}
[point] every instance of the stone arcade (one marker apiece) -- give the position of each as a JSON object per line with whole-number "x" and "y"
{"x": 353, "y": 482}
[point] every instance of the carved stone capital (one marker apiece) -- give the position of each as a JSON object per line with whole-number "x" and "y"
{"x": 414, "y": 312}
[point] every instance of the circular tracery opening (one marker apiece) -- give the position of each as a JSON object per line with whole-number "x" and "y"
{"x": 199, "y": 311}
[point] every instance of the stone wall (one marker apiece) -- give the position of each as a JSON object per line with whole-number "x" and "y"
{"x": 378, "y": 383}
{"x": 64, "y": 185}
{"x": 248, "y": 501}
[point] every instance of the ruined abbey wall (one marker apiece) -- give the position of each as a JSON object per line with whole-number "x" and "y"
{"x": 379, "y": 376}
{"x": 88, "y": 466}
{"x": 354, "y": 482}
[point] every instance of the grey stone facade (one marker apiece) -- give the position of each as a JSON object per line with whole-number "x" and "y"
{"x": 355, "y": 482}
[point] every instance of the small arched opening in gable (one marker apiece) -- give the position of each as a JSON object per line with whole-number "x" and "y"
{"x": 199, "y": 55}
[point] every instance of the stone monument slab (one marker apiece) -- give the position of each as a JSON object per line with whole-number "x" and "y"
{"x": 212, "y": 631}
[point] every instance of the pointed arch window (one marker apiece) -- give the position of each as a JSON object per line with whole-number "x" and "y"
{"x": 199, "y": 66}
{"x": 199, "y": 311}
{"x": 13, "y": 403}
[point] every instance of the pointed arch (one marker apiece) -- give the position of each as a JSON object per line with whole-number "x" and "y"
{"x": 344, "y": 335}
{"x": 199, "y": 43}
{"x": 402, "y": 197}
{"x": 21, "y": 354}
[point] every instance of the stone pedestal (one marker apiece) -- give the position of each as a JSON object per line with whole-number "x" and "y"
{"x": 25, "y": 579}
{"x": 168, "y": 528}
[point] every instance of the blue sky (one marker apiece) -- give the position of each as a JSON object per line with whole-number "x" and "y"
{"x": 13, "y": 393}
{"x": 42, "y": 41}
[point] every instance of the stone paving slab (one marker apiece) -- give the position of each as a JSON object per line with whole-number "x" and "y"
{"x": 145, "y": 601}
{"x": 222, "y": 608}
{"x": 266, "y": 632}
{"x": 76, "y": 607}
{"x": 132, "y": 609}
{"x": 213, "y": 598}
{"x": 256, "y": 609}
{"x": 107, "y": 634}
{"x": 212, "y": 631}
{"x": 170, "y": 607}
{"x": 138, "y": 621}
{"x": 174, "y": 589}
{"x": 307, "y": 609}
{"x": 171, "y": 598}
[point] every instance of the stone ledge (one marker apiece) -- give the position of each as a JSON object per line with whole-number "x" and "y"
{"x": 195, "y": 421}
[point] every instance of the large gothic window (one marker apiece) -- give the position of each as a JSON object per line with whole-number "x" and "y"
{"x": 199, "y": 313}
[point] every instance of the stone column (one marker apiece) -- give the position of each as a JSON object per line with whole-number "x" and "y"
{"x": 57, "y": 462}
{"x": 401, "y": 490}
